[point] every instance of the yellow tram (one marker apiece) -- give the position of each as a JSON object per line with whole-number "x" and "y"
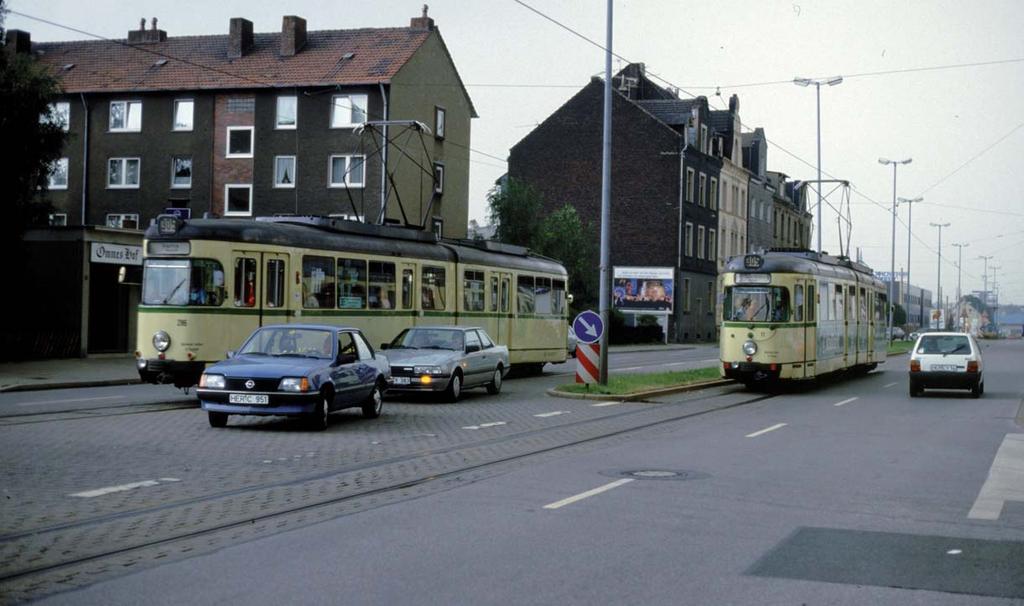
{"x": 208, "y": 283}
{"x": 799, "y": 315}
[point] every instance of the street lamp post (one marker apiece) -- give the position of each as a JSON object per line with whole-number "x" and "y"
{"x": 995, "y": 307}
{"x": 959, "y": 271}
{"x": 892, "y": 265}
{"x": 817, "y": 82}
{"x": 910, "y": 222}
{"x": 938, "y": 289}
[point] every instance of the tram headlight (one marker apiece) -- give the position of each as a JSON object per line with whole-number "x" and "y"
{"x": 161, "y": 341}
{"x": 750, "y": 348}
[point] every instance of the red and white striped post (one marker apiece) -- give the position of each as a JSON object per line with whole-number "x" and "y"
{"x": 588, "y": 362}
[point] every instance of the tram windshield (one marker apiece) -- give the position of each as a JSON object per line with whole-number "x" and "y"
{"x": 183, "y": 282}
{"x": 756, "y": 304}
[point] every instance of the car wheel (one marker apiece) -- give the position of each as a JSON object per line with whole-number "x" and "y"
{"x": 217, "y": 419}
{"x": 454, "y": 388}
{"x": 977, "y": 390}
{"x": 982, "y": 392}
{"x": 374, "y": 404}
{"x": 319, "y": 419}
{"x": 494, "y": 387}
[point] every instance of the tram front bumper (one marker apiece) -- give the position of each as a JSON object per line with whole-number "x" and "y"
{"x": 163, "y": 372}
{"x": 751, "y": 372}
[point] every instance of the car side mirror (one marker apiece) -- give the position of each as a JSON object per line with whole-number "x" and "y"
{"x": 230, "y": 353}
{"x": 346, "y": 358}
{"x": 472, "y": 348}
{"x": 383, "y": 346}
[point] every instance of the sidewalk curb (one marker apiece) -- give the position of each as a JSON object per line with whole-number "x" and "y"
{"x": 641, "y": 395}
{"x": 614, "y": 350}
{"x": 67, "y": 385}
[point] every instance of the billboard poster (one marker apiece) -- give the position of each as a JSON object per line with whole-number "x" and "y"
{"x": 938, "y": 319}
{"x": 650, "y": 289}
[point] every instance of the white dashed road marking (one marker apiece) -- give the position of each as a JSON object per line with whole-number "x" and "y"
{"x": 544, "y": 415}
{"x": 766, "y": 430}
{"x": 601, "y": 404}
{"x": 1005, "y": 480}
{"x": 589, "y": 493}
{"x": 99, "y": 492}
{"x": 846, "y": 401}
{"x": 890, "y": 385}
{"x": 485, "y": 425}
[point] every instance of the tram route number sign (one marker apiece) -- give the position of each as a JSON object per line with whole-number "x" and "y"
{"x": 753, "y": 261}
{"x": 588, "y": 327}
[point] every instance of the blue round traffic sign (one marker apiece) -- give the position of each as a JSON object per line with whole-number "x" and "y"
{"x": 588, "y": 327}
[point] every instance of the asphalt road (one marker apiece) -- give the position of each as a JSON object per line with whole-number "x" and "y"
{"x": 850, "y": 493}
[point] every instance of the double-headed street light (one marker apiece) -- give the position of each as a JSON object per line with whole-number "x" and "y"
{"x": 892, "y": 266}
{"x": 959, "y": 271}
{"x": 938, "y": 288}
{"x": 910, "y": 236}
{"x": 817, "y": 82}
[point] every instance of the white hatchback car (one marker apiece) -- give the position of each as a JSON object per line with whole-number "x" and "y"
{"x": 946, "y": 360}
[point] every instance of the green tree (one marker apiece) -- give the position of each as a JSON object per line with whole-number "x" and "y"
{"x": 899, "y": 315}
{"x": 564, "y": 236}
{"x": 26, "y": 92}
{"x": 514, "y": 209}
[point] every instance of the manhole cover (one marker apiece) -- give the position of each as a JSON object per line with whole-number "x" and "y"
{"x": 656, "y": 474}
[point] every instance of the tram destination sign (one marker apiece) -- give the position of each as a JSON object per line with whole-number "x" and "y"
{"x": 116, "y": 254}
{"x": 753, "y": 261}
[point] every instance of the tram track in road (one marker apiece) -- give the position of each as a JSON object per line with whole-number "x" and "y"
{"x": 97, "y": 412}
{"x": 467, "y": 453}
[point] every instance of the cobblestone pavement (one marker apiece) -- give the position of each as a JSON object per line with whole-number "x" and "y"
{"x": 185, "y": 488}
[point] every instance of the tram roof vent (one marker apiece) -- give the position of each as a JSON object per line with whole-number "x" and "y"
{"x": 492, "y": 246}
{"x": 345, "y": 226}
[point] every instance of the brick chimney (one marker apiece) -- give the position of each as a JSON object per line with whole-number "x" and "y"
{"x": 146, "y": 36}
{"x": 423, "y": 22}
{"x": 293, "y": 35}
{"x": 18, "y": 42}
{"x": 239, "y": 38}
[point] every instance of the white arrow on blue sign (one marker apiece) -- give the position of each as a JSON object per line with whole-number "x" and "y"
{"x": 588, "y": 327}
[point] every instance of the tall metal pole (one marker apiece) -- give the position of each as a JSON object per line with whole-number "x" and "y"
{"x": 910, "y": 236}
{"x": 892, "y": 266}
{"x": 995, "y": 306}
{"x": 984, "y": 277}
{"x": 817, "y": 95}
{"x": 959, "y": 274}
{"x": 938, "y": 289}
{"x": 606, "y": 190}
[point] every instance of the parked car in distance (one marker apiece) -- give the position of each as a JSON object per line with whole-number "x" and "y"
{"x": 946, "y": 360}
{"x": 446, "y": 359}
{"x": 571, "y": 343}
{"x": 898, "y": 333}
{"x": 305, "y": 370}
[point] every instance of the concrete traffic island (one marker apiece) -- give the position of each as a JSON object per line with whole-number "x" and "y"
{"x": 639, "y": 386}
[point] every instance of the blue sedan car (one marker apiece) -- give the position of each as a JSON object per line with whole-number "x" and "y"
{"x": 305, "y": 370}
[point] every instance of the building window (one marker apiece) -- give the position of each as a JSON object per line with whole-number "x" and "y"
{"x": 58, "y": 219}
{"x": 284, "y": 172}
{"x": 704, "y": 138}
{"x": 712, "y": 251}
{"x": 689, "y": 239}
{"x": 59, "y": 174}
{"x": 346, "y": 171}
{"x": 125, "y": 116}
{"x": 59, "y": 114}
{"x": 743, "y": 202}
{"x": 689, "y": 185}
{"x": 702, "y": 200}
{"x": 240, "y": 142}
{"x": 439, "y": 117}
{"x": 237, "y": 200}
{"x": 438, "y": 178}
{"x": 713, "y": 201}
{"x": 700, "y": 241}
{"x": 123, "y": 220}
{"x": 183, "y": 109}
{"x": 181, "y": 172}
{"x": 287, "y": 110}
{"x": 123, "y": 173}
{"x": 348, "y": 110}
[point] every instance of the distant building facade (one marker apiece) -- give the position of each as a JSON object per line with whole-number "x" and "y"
{"x": 761, "y": 199}
{"x": 791, "y": 223}
{"x": 734, "y": 181}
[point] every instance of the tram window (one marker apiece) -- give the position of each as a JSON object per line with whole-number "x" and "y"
{"x": 863, "y": 305}
{"x": 881, "y": 305}
{"x": 798, "y": 295}
{"x": 524, "y": 295}
{"x": 351, "y": 283}
{"x": 812, "y": 303}
{"x": 558, "y": 297}
{"x": 433, "y": 288}
{"x": 506, "y": 286}
{"x": 275, "y": 281}
{"x": 473, "y": 290}
{"x": 837, "y": 304}
{"x": 245, "y": 282}
{"x": 494, "y": 293}
{"x": 183, "y": 282}
{"x": 382, "y": 285}
{"x": 542, "y": 295}
{"x": 207, "y": 284}
{"x": 407, "y": 286}
{"x": 317, "y": 282}
{"x": 755, "y": 304}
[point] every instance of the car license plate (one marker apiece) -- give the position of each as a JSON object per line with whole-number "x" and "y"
{"x": 943, "y": 367}
{"x": 400, "y": 380}
{"x": 248, "y": 398}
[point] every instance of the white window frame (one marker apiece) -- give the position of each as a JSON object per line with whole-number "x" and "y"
{"x": 227, "y": 188}
{"x": 347, "y": 183}
{"x": 712, "y": 251}
{"x": 713, "y": 199}
{"x": 690, "y": 174}
{"x": 120, "y": 219}
{"x": 124, "y": 172}
{"x": 439, "y": 178}
{"x": 365, "y": 106}
{"x": 127, "y": 115}
{"x": 277, "y": 113}
{"x": 440, "y": 121}
{"x": 700, "y": 241}
{"x": 49, "y": 178}
{"x": 689, "y": 239}
{"x": 58, "y": 219}
{"x": 179, "y": 185}
{"x": 284, "y": 185}
{"x": 191, "y": 116}
{"x": 252, "y": 142}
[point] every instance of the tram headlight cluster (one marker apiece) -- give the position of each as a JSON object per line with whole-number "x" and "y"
{"x": 161, "y": 341}
{"x": 750, "y": 348}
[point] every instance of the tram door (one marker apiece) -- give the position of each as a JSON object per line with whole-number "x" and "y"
{"x": 504, "y": 320}
{"x": 274, "y": 306}
{"x": 245, "y": 297}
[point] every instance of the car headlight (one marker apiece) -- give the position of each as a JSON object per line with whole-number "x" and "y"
{"x": 750, "y": 348}
{"x": 297, "y": 384}
{"x": 211, "y": 381}
{"x": 161, "y": 341}
{"x": 428, "y": 370}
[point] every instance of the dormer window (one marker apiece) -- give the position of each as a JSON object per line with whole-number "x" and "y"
{"x": 704, "y": 138}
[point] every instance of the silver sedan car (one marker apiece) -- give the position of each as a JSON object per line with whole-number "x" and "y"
{"x": 445, "y": 359}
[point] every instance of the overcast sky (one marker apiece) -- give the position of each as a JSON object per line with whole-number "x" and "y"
{"x": 519, "y": 68}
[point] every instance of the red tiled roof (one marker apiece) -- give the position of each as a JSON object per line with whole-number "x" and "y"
{"x": 201, "y": 62}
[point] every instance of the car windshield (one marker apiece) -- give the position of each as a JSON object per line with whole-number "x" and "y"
{"x": 283, "y": 341}
{"x": 944, "y": 344}
{"x": 430, "y": 338}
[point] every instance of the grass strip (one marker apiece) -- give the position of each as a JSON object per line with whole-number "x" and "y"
{"x": 621, "y": 384}
{"x": 900, "y": 346}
